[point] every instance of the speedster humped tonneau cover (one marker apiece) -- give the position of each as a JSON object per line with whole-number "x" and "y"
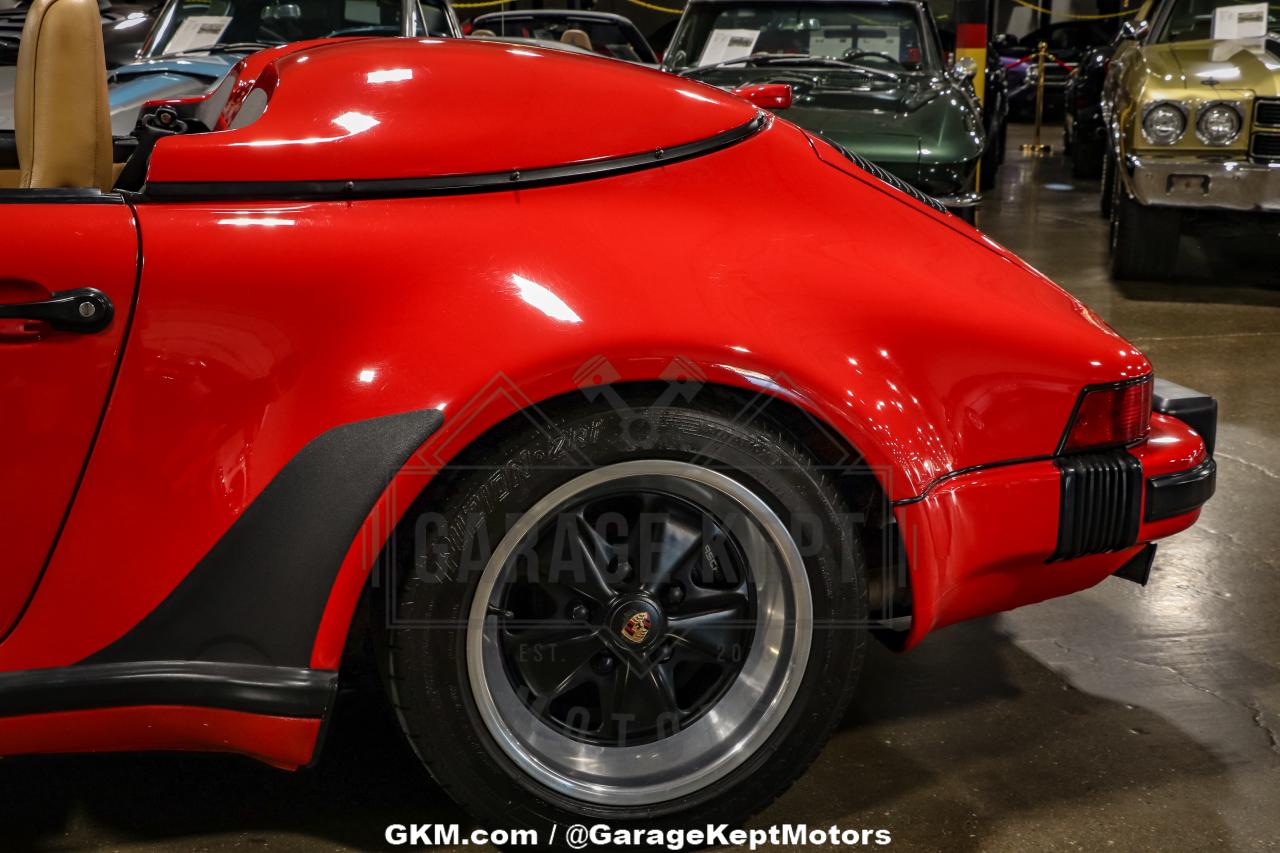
{"x": 432, "y": 108}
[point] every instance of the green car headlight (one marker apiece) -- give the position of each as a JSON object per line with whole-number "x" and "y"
{"x": 1218, "y": 124}
{"x": 1164, "y": 122}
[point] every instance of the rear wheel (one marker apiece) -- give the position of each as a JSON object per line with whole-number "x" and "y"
{"x": 637, "y": 639}
{"x": 1144, "y": 240}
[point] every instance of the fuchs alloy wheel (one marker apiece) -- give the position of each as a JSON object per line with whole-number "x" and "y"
{"x": 617, "y": 621}
{"x": 602, "y": 684}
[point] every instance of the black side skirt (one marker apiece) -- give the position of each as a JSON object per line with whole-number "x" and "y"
{"x": 272, "y": 690}
{"x": 258, "y": 595}
{"x": 237, "y": 631}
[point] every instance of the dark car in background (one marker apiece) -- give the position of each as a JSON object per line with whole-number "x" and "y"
{"x": 993, "y": 93}
{"x": 600, "y": 32}
{"x": 1067, "y": 41}
{"x": 1084, "y": 139}
{"x": 868, "y": 75}
{"x": 124, "y": 26}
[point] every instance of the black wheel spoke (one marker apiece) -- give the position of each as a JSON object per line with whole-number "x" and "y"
{"x": 698, "y": 599}
{"x": 587, "y": 571}
{"x": 640, "y": 602}
{"x": 710, "y": 634}
{"x": 638, "y": 699}
{"x": 552, "y": 666}
{"x": 680, "y": 548}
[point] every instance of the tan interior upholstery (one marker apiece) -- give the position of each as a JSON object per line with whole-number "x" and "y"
{"x": 483, "y": 34}
{"x": 60, "y": 113}
{"x": 577, "y": 38}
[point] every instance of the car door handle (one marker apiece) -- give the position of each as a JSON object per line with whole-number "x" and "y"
{"x": 84, "y": 310}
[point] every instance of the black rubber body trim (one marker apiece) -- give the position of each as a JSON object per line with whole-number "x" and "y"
{"x": 1196, "y": 410}
{"x": 886, "y": 176}
{"x": 61, "y": 195}
{"x": 273, "y": 690}
{"x": 1101, "y": 503}
{"x": 1174, "y": 494}
{"x": 1138, "y": 568}
{"x": 448, "y": 184}
{"x": 258, "y": 595}
{"x": 960, "y": 472}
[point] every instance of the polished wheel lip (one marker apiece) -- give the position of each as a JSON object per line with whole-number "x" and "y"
{"x": 592, "y": 773}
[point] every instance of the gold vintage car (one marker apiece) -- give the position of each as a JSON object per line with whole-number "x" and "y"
{"x": 1192, "y": 103}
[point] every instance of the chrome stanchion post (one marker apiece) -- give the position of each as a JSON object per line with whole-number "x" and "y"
{"x": 1036, "y": 148}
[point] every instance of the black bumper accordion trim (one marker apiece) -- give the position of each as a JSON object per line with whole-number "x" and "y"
{"x": 1101, "y": 504}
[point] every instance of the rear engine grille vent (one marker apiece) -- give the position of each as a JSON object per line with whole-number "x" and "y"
{"x": 1266, "y": 114}
{"x": 1101, "y": 503}
{"x": 1266, "y": 147}
{"x": 889, "y": 178}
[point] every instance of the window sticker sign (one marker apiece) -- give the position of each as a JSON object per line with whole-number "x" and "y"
{"x": 724, "y": 45}
{"x": 198, "y": 31}
{"x": 363, "y": 11}
{"x": 833, "y": 42}
{"x": 880, "y": 41}
{"x": 1239, "y": 22}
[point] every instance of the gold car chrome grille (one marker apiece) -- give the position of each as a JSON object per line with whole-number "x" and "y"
{"x": 1266, "y": 113}
{"x": 1265, "y": 147}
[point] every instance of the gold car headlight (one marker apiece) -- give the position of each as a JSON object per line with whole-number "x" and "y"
{"x": 1164, "y": 122}
{"x": 1218, "y": 124}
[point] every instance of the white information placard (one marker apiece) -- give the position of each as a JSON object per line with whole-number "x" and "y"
{"x": 724, "y": 45}
{"x": 196, "y": 32}
{"x": 833, "y": 43}
{"x": 1239, "y": 22}
{"x": 888, "y": 43}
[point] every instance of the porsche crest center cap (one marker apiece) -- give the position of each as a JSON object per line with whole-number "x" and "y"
{"x": 636, "y": 628}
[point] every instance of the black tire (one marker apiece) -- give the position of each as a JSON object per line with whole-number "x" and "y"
{"x": 1086, "y": 158}
{"x": 991, "y": 159}
{"x": 1108, "y": 188}
{"x": 1144, "y": 240}
{"x": 968, "y": 214}
{"x": 427, "y": 671}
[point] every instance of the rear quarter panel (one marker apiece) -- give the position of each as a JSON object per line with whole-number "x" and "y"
{"x": 261, "y": 325}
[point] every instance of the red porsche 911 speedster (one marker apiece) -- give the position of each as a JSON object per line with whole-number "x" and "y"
{"x": 613, "y": 413}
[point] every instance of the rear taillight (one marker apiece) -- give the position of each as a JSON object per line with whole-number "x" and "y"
{"x": 1110, "y": 416}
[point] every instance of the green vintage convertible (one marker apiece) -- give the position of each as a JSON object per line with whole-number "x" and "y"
{"x": 869, "y": 75}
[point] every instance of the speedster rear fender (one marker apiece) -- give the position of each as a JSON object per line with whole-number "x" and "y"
{"x": 925, "y": 348}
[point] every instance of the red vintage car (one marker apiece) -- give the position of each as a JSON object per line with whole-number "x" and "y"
{"x": 615, "y": 412}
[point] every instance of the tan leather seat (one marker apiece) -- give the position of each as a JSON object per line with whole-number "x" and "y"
{"x": 60, "y": 112}
{"x": 483, "y": 34}
{"x": 577, "y": 38}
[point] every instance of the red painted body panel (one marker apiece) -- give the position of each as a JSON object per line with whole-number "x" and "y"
{"x": 262, "y": 325}
{"x": 431, "y": 107}
{"x": 226, "y": 377}
{"x": 53, "y": 384}
{"x": 286, "y": 742}
{"x": 978, "y": 542}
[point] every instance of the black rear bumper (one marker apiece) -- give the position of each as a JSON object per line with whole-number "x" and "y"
{"x": 1105, "y": 498}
